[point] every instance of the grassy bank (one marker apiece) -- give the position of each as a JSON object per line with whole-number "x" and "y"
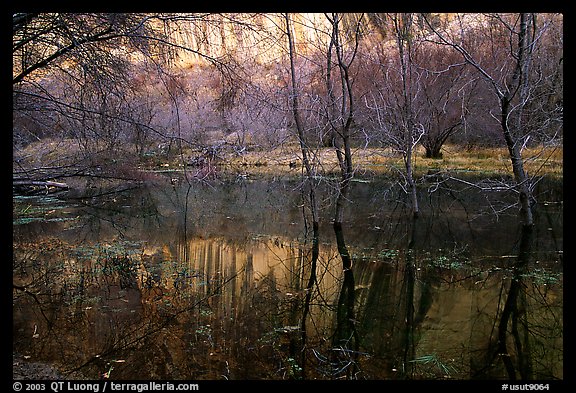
{"x": 489, "y": 162}
{"x": 285, "y": 160}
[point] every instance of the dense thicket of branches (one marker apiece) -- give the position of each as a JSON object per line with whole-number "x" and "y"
{"x": 101, "y": 95}
{"x": 135, "y": 85}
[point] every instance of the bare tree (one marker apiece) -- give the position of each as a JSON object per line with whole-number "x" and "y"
{"x": 304, "y": 144}
{"x": 76, "y": 73}
{"x": 446, "y": 90}
{"x": 310, "y": 174}
{"x": 392, "y": 101}
{"x": 509, "y": 79}
{"x": 340, "y": 119}
{"x": 96, "y": 42}
{"x": 403, "y": 29}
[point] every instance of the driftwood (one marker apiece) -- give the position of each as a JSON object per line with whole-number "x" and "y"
{"x": 37, "y": 186}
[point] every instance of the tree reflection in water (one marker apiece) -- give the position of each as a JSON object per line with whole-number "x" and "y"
{"x": 527, "y": 326}
{"x": 345, "y": 341}
{"x": 133, "y": 294}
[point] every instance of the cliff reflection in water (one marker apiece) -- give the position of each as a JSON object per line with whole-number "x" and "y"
{"x": 221, "y": 294}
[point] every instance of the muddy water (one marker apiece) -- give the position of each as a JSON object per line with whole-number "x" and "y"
{"x": 209, "y": 281}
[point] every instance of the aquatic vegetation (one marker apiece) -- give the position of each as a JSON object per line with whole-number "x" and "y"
{"x": 27, "y": 209}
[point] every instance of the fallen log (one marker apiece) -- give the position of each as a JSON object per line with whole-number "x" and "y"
{"x": 37, "y": 186}
{"x": 46, "y": 183}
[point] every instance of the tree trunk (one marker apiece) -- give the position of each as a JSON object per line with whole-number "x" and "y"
{"x": 341, "y": 129}
{"x": 521, "y": 178}
{"x": 518, "y": 83}
{"x": 434, "y": 152}
{"x": 299, "y": 126}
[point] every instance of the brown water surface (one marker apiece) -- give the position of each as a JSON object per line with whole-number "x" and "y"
{"x": 209, "y": 281}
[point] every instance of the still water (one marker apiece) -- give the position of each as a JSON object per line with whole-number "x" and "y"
{"x": 178, "y": 280}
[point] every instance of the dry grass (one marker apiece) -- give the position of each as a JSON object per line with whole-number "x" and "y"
{"x": 370, "y": 161}
{"x": 285, "y": 160}
{"x": 496, "y": 161}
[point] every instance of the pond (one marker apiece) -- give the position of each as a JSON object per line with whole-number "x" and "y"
{"x": 194, "y": 280}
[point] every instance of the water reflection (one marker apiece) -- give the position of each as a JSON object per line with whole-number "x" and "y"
{"x": 345, "y": 342}
{"x": 226, "y": 283}
{"x": 527, "y": 329}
